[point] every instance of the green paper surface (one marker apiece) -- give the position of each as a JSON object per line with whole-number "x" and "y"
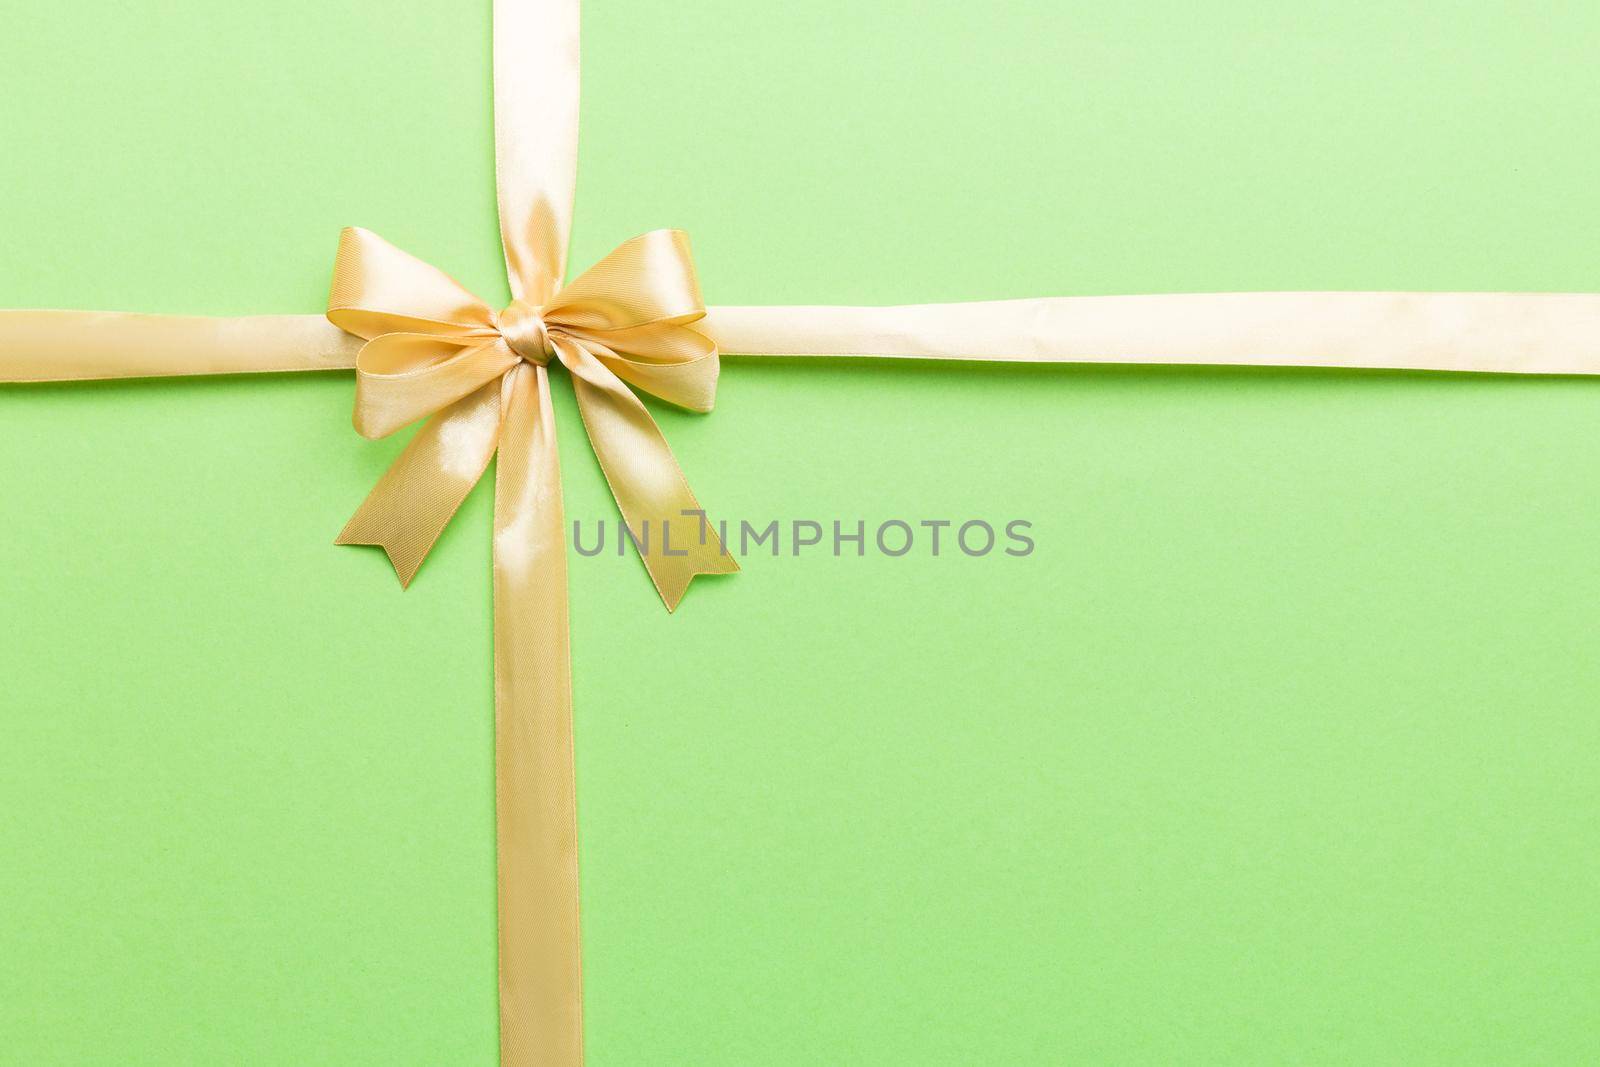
{"x": 1282, "y": 747}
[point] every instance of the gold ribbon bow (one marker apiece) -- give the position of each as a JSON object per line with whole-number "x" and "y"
{"x": 435, "y": 349}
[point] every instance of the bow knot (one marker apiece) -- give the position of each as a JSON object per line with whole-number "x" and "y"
{"x": 434, "y": 349}
{"x": 524, "y": 330}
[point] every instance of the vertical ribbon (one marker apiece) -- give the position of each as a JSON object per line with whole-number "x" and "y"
{"x": 536, "y": 832}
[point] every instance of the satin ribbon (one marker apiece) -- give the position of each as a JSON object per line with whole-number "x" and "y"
{"x": 1501, "y": 333}
{"x": 423, "y": 347}
{"x": 1507, "y": 333}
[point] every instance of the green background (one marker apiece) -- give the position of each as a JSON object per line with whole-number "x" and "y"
{"x": 1281, "y": 748}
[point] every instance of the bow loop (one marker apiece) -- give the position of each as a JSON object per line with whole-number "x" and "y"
{"x": 632, "y": 311}
{"x": 646, "y": 280}
{"x": 379, "y": 289}
{"x": 675, "y": 363}
{"x": 400, "y": 377}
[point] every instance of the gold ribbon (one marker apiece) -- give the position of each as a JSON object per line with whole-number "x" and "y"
{"x": 1504, "y": 333}
{"x": 1500, "y": 333}
{"x": 482, "y": 379}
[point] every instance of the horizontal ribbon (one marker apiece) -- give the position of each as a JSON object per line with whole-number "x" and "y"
{"x": 1505, "y": 333}
{"x": 62, "y": 346}
{"x": 1508, "y": 333}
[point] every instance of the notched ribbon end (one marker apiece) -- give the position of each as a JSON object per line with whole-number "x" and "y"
{"x": 402, "y": 557}
{"x": 673, "y": 585}
{"x": 405, "y": 567}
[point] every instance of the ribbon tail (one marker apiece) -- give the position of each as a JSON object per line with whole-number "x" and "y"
{"x": 669, "y": 527}
{"x": 541, "y": 984}
{"x": 414, "y": 500}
